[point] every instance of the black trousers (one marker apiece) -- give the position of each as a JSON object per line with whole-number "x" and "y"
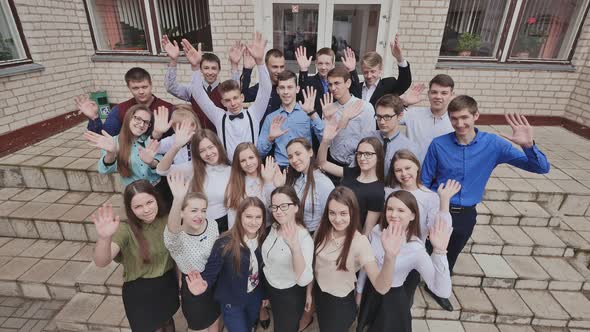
{"x": 464, "y": 219}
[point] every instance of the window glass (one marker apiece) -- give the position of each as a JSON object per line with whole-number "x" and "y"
{"x": 118, "y": 25}
{"x": 187, "y": 19}
{"x": 11, "y": 46}
{"x": 355, "y": 26}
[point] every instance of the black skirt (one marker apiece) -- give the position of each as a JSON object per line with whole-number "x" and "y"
{"x": 335, "y": 314}
{"x": 200, "y": 311}
{"x": 287, "y": 307}
{"x": 222, "y": 225}
{"x": 389, "y": 312}
{"x": 151, "y": 303}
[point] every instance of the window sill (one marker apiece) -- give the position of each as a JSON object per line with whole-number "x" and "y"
{"x": 21, "y": 69}
{"x": 505, "y": 66}
{"x": 134, "y": 58}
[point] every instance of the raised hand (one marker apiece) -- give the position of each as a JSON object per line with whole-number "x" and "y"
{"x": 330, "y": 130}
{"x": 329, "y": 109}
{"x": 268, "y": 169}
{"x": 396, "y": 49}
{"x": 413, "y": 95}
{"x": 86, "y": 106}
{"x": 350, "y": 112}
{"x": 104, "y": 141}
{"x": 249, "y": 61}
{"x": 280, "y": 178}
{"x": 522, "y": 131}
{"x": 448, "y": 190}
{"x": 392, "y": 238}
{"x": 235, "y": 52}
{"x": 161, "y": 123}
{"x": 289, "y": 233}
{"x": 256, "y": 48}
{"x": 302, "y": 60}
{"x": 171, "y": 48}
{"x": 148, "y": 153}
{"x": 105, "y": 221}
{"x": 193, "y": 55}
{"x": 349, "y": 59}
{"x": 275, "y": 127}
{"x": 183, "y": 132}
{"x": 308, "y": 104}
{"x": 195, "y": 283}
{"x": 439, "y": 235}
{"x": 178, "y": 185}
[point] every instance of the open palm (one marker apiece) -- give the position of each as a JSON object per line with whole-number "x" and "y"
{"x": 522, "y": 131}
{"x": 105, "y": 221}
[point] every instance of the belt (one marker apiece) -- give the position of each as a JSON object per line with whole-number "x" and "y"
{"x": 461, "y": 209}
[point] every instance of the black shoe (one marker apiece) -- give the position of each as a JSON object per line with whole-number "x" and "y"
{"x": 265, "y": 323}
{"x": 443, "y": 303}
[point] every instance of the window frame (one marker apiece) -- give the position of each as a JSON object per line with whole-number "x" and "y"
{"x": 507, "y": 40}
{"x": 21, "y": 35}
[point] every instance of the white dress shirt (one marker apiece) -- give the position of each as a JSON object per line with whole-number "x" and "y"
{"x": 422, "y": 127}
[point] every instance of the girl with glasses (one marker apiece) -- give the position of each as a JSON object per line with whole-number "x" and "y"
{"x": 288, "y": 255}
{"x": 365, "y": 179}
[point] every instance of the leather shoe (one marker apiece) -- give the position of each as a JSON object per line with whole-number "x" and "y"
{"x": 443, "y": 303}
{"x": 265, "y": 323}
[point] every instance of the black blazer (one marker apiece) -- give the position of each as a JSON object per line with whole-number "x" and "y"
{"x": 315, "y": 81}
{"x": 388, "y": 85}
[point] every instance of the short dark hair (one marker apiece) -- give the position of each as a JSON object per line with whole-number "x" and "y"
{"x": 443, "y": 80}
{"x": 286, "y": 75}
{"x": 339, "y": 71}
{"x": 137, "y": 74}
{"x": 462, "y": 102}
{"x": 211, "y": 57}
{"x": 273, "y": 52}
{"x": 229, "y": 85}
{"x": 325, "y": 51}
{"x": 391, "y": 101}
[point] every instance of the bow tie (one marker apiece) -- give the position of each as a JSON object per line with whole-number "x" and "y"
{"x": 240, "y": 116}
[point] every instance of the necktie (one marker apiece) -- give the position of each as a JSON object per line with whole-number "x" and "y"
{"x": 232, "y": 117}
{"x": 209, "y": 89}
{"x": 385, "y": 142}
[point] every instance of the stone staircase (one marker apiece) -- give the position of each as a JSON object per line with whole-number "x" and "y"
{"x": 524, "y": 269}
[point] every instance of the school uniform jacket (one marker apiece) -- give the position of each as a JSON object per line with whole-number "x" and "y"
{"x": 387, "y": 85}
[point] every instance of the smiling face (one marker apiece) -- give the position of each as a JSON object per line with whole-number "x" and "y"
{"x": 283, "y": 217}
{"x": 194, "y": 215}
{"x": 463, "y": 122}
{"x": 339, "y": 216}
{"x": 252, "y": 219}
{"x": 249, "y": 162}
{"x": 439, "y": 97}
{"x": 233, "y": 100}
{"x": 140, "y": 122}
{"x": 398, "y": 212}
{"x": 299, "y": 157}
{"x": 366, "y": 157}
{"x": 208, "y": 152}
{"x": 141, "y": 90}
{"x": 288, "y": 91}
{"x": 210, "y": 70}
{"x": 275, "y": 65}
{"x": 406, "y": 173}
{"x": 371, "y": 74}
{"x": 145, "y": 207}
{"x": 324, "y": 64}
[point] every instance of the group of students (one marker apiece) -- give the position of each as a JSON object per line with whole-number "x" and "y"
{"x": 291, "y": 203}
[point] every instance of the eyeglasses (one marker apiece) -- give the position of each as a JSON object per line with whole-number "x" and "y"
{"x": 284, "y": 207}
{"x": 384, "y": 117}
{"x": 141, "y": 121}
{"x": 365, "y": 154}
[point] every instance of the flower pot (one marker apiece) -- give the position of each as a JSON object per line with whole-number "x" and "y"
{"x": 465, "y": 53}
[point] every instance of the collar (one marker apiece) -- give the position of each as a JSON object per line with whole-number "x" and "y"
{"x": 445, "y": 115}
{"x": 213, "y": 85}
{"x": 365, "y": 86}
{"x": 475, "y": 139}
{"x": 296, "y": 108}
{"x": 392, "y": 137}
{"x": 351, "y": 100}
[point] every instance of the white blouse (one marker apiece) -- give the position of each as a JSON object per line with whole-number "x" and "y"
{"x": 190, "y": 252}
{"x": 215, "y": 183}
{"x": 278, "y": 261}
{"x": 254, "y": 188}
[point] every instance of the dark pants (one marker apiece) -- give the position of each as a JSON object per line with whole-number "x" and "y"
{"x": 464, "y": 220}
{"x": 241, "y": 318}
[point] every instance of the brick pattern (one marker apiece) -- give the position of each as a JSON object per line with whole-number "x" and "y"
{"x": 25, "y": 315}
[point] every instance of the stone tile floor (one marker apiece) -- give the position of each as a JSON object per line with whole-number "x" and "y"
{"x": 25, "y": 315}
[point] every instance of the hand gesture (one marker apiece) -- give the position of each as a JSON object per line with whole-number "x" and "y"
{"x": 193, "y": 55}
{"x": 256, "y": 48}
{"x": 308, "y": 301}
{"x": 302, "y": 60}
{"x": 248, "y": 59}
{"x": 308, "y": 104}
{"x": 87, "y": 107}
{"x": 522, "y": 131}
{"x": 392, "y": 238}
{"x": 161, "y": 123}
{"x": 439, "y": 234}
{"x": 178, "y": 185}
{"x": 171, "y": 48}
{"x": 195, "y": 283}
{"x": 330, "y": 130}
{"x": 349, "y": 59}
{"x": 413, "y": 95}
{"x": 105, "y": 221}
{"x": 183, "y": 132}
{"x": 329, "y": 109}
{"x": 448, "y": 190}
{"x": 104, "y": 141}
{"x": 280, "y": 177}
{"x": 148, "y": 153}
{"x": 289, "y": 233}
{"x": 275, "y": 127}
{"x": 396, "y": 49}
{"x": 352, "y": 110}
{"x": 268, "y": 169}
{"x": 235, "y": 52}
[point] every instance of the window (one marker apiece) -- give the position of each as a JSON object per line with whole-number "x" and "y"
{"x": 510, "y": 30}
{"x": 13, "y": 49}
{"x": 128, "y": 26}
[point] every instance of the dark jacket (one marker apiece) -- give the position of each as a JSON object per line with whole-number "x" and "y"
{"x": 388, "y": 85}
{"x": 250, "y": 93}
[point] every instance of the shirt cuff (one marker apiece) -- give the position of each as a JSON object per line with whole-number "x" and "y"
{"x": 403, "y": 64}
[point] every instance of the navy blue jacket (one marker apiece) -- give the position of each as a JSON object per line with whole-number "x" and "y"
{"x": 231, "y": 287}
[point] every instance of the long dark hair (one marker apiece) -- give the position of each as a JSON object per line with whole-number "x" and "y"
{"x": 410, "y": 201}
{"x": 378, "y": 147}
{"x": 236, "y": 233}
{"x": 136, "y": 224}
{"x": 293, "y": 175}
{"x": 199, "y": 171}
{"x": 236, "y": 188}
{"x": 391, "y": 180}
{"x": 126, "y": 139}
{"x": 290, "y": 192}
{"x": 347, "y": 197}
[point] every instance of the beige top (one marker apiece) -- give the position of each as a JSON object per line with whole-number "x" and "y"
{"x": 336, "y": 282}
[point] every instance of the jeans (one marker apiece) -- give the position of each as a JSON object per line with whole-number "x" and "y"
{"x": 241, "y": 318}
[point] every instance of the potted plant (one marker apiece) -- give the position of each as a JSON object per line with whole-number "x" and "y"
{"x": 529, "y": 40}
{"x": 468, "y": 42}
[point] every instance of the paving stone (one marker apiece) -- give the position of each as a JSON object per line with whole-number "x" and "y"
{"x": 500, "y": 208}
{"x": 15, "y": 159}
{"x": 571, "y": 186}
{"x": 474, "y": 301}
{"x": 577, "y": 223}
{"x": 10, "y": 177}
{"x": 543, "y": 237}
{"x": 42, "y": 271}
{"x": 80, "y": 308}
{"x": 91, "y": 232}
{"x": 59, "y": 162}
{"x": 526, "y": 268}
{"x": 530, "y": 209}
{"x": 24, "y": 228}
{"x": 110, "y": 312}
{"x": 7, "y": 193}
{"x": 6, "y": 228}
{"x": 479, "y": 327}
{"x": 78, "y": 180}
{"x": 27, "y": 194}
{"x": 494, "y": 266}
{"x": 50, "y": 196}
{"x": 513, "y": 235}
{"x": 572, "y": 239}
{"x": 15, "y": 323}
{"x": 81, "y": 164}
{"x": 8, "y": 207}
{"x": 543, "y": 305}
{"x": 115, "y": 283}
{"x": 48, "y": 230}
{"x": 73, "y": 231}
{"x": 33, "y": 177}
{"x": 485, "y": 235}
{"x": 67, "y": 274}
{"x": 73, "y": 197}
{"x": 81, "y": 152}
{"x": 85, "y": 254}
{"x": 65, "y": 250}
{"x": 434, "y": 311}
{"x": 96, "y": 199}
{"x": 78, "y": 213}
{"x": 36, "y": 161}
{"x": 56, "y": 178}
{"x": 101, "y": 182}
{"x": 544, "y": 185}
{"x": 467, "y": 265}
{"x": 16, "y": 267}
{"x": 29, "y": 210}
{"x": 514, "y": 328}
{"x": 54, "y": 211}
{"x": 15, "y": 247}
{"x": 444, "y": 326}
{"x": 94, "y": 275}
{"x": 510, "y": 307}
{"x": 575, "y": 303}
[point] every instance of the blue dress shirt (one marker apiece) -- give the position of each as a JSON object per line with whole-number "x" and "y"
{"x": 472, "y": 164}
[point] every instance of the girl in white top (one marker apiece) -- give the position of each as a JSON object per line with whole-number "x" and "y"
{"x": 391, "y": 311}
{"x": 288, "y": 256}
{"x": 189, "y": 237}
{"x": 249, "y": 178}
{"x": 209, "y": 170}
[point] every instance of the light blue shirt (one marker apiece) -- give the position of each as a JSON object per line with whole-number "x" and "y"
{"x": 397, "y": 142}
{"x": 139, "y": 169}
{"x": 312, "y": 213}
{"x": 299, "y": 124}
